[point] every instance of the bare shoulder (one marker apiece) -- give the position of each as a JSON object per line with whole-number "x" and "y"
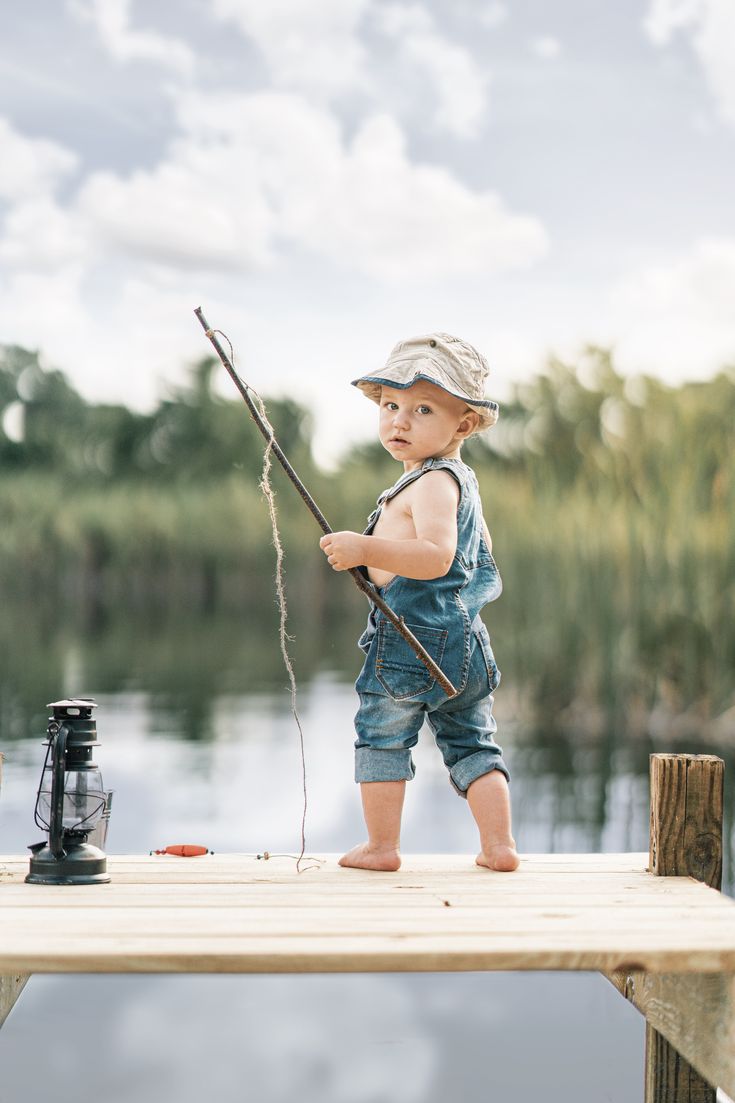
{"x": 435, "y": 487}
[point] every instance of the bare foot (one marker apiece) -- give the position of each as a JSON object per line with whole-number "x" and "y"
{"x": 501, "y": 858}
{"x": 367, "y": 857}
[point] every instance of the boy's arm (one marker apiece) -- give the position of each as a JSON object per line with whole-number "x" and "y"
{"x": 428, "y": 555}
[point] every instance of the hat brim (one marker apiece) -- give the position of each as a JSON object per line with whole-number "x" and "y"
{"x": 370, "y": 385}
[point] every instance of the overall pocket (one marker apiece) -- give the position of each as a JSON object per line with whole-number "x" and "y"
{"x": 483, "y": 640}
{"x": 398, "y": 669}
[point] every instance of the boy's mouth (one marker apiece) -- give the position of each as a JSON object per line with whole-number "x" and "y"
{"x": 398, "y": 440}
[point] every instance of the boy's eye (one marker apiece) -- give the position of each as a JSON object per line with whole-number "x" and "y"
{"x": 424, "y": 409}
{"x": 391, "y": 405}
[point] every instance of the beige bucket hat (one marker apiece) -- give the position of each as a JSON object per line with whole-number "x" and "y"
{"x": 455, "y": 366}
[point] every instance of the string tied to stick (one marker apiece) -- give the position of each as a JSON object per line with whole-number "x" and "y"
{"x": 284, "y": 638}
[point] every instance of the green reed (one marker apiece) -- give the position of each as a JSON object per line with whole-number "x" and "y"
{"x": 612, "y": 508}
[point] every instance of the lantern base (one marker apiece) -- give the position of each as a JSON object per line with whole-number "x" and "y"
{"x": 84, "y": 864}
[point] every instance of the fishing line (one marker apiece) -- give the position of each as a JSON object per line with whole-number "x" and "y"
{"x": 284, "y": 638}
{"x": 358, "y": 578}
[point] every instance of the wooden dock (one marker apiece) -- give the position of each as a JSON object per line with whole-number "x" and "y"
{"x": 666, "y": 941}
{"x": 236, "y": 914}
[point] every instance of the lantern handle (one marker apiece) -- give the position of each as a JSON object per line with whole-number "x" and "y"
{"x": 56, "y": 827}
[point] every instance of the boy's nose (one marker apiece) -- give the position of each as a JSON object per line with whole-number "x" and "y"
{"x": 400, "y": 418}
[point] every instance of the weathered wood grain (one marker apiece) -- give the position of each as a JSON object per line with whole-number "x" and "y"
{"x": 695, "y": 1013}
{"x": 685, "y": 838}
{"x": 11, "y": 986}
{"x": 233, "y": 913}
{"x": 686, "y": 816}
{"x": 669, "y": 1077}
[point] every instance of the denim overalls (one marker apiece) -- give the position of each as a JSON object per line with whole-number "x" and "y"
{"x": 396, "y": 690}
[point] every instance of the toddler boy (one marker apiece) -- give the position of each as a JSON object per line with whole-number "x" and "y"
{"x": 427, "y": 550}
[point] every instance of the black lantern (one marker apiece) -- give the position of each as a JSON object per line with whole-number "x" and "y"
{"x": 70, "y": 801}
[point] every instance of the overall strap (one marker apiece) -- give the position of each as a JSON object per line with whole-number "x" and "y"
{"x": 455, "y": 467}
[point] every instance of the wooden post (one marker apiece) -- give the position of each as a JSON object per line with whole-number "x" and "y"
{"x": 11, "y": 986}
{"x": 686, "y": 817}
{"x": 685, "y": 840}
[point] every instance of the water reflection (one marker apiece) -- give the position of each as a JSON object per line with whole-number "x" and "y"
{"x": 194, "y": 717}
{"x": 510, "y": 1038}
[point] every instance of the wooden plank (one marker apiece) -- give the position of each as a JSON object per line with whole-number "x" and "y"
{"x": 235, "y": 914}
{"x": 121, "y": 953}
{"x": 554, "y": 929}
{"x": 695, "y": 1014}
{"x": 14, "y": 867}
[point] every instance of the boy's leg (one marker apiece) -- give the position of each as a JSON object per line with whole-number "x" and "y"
{"x": 489, "y": 800}
{"x": 382, "y": 804}
{"x": 386, "y": 732}
{"x": 464, "y": 728}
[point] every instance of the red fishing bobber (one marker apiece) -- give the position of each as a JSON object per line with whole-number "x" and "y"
{"x": 184, "y": 851}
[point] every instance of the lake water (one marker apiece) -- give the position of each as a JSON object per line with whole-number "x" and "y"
{"x": 199, "y": 745}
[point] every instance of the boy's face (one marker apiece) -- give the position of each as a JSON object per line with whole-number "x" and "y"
{"x": 423, "y": 421}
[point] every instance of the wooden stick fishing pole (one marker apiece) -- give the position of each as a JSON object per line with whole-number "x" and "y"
{"x": 362, "y": 583}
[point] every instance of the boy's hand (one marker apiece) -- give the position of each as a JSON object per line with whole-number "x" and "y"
{"x": 343, "y": 550}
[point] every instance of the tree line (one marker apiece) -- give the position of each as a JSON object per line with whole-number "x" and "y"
{"x": 192, "y": 433}
{"x": 580, "y": 426}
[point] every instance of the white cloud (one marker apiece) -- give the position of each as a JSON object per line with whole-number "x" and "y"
{"x": 403, "y": 220}
{"x": 181, "y": 214}
{"x": 39, "y": 234}
{"x": 459, "y": 84}
{"x": 677, "y": 319}
{"x": 120, "y": 347}
{"x": 312, "y": 47}
{"x": 112, "y": 21}
{"x": 31, "y": 166}
{"x": 711, "y": 27}
{"x": 252, "y": 174}
{"x": 546, "y": 47}
{"x": 666, "y": 16}
{"x": 493, "y": 14}
{"x": 317, "y": 49}
{"x": 45, "y": 310}
{"x": 104, "y": 277}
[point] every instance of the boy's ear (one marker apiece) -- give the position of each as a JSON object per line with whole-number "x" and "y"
{"x": 468, "y": 424}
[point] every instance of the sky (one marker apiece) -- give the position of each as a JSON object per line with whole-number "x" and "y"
{"x": 327, "y": 177}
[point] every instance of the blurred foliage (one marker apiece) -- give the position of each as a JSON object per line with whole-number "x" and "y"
{"x": 192, "y": 435}
{"x": 611, "y": 501}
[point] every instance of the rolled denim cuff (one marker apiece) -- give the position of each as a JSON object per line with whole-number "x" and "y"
{"x": 374, "y": 764}
{"x": 475, "y": 765}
